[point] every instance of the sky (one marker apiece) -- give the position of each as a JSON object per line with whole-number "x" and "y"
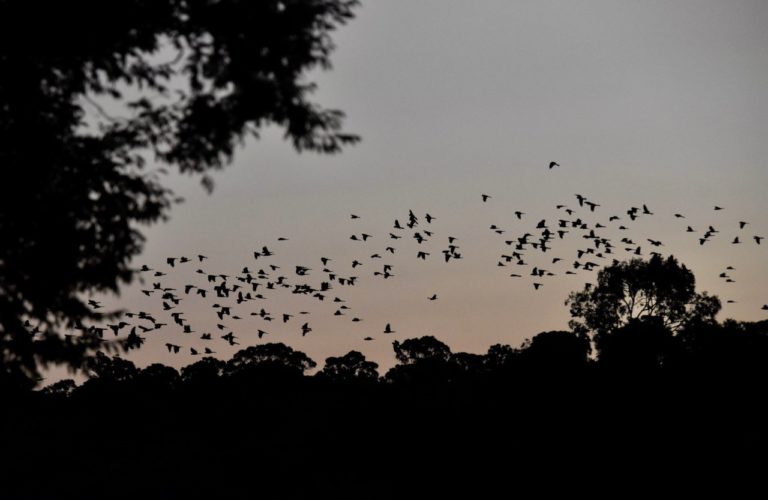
{"x": 640, "y": 102}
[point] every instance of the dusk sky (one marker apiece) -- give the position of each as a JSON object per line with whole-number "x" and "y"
{"x": 640, "y": 102}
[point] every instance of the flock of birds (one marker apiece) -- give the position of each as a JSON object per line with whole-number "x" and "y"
{"x": 232, "y": 299}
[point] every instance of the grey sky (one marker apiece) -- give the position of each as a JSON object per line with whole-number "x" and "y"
{"x": 664, "y": 103}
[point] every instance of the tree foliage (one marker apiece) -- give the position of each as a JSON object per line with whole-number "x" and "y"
{"x": 556, "y": 351}
{"x": 426, "y": 348}
{"x": 266, "y": 357}
{"x": 89, "y": 92}
{"x": 637, "y": 289}
{"x": 351, "y": 367}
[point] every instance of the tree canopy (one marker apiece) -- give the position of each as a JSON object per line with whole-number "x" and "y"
{"x": 637, "y": 289}
{"x": 89, "y": 94}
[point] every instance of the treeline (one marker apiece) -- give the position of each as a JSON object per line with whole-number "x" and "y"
{"x": 642, "y": 348}
{"x": 647, "y": 409}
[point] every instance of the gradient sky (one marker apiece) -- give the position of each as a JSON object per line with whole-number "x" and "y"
{"x": 656, "y": 102}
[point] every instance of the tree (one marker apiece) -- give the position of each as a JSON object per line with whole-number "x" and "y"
{"x": 638, "y": 289}
{"x": 641, "y": 345}
{"x": 426, "y": 348}
{"x": 349, "y": 368}
{"x": 423, "y": 360}
{"x": 205, "y": 372}
{"x": 158, "y": 378}
{"x": 100, "y": 89}
{"x": 556, "y": 351}
{"x": 112, "y": 369}
{"x": 501, "y": 357}
{"x": 271, "y": 360}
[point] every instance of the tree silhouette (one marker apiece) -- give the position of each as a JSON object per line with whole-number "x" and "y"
{"x": 203, "y": 373}
{"x": 425, "y": 348}
{"x": 639, "y": 289}
{"x": 501, "y": 357}
{"x": 272, "y": 361}
{"x": 558, "y": 351}
{"x": 542, "y": 404}
{"x": 113, "y": 369}
{"x": 423, "y": 360}
{"x": 352, "y": 367}
{"x": 158, "y": 378}
{"x": 84, "y": 105}
{"x": 640, "y": 345}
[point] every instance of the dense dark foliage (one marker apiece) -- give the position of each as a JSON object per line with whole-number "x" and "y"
{"x": 681, "y": 412}
{"x": 89, "y": 91}
{"x": 639, "y": 289}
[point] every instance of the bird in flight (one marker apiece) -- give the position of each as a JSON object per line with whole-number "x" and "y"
{"x": 388, "y": 329}
{"x": 485, "y": 197}
{"x": 173, "y": 347}
{"x": 646, "y": 210}
{"x": 553, "y": 164}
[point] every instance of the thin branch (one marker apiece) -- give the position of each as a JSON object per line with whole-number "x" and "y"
{"x": 101, "y": 111}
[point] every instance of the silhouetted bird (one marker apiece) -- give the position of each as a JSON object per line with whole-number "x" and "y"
{"x": 646, "y": 211}
{"x": 486, "y": 197}
{"x": 388, "y": 329}
{"x": 553, "y": 164}
{"x": 305, "y": 329}
{"x": 302, "y": 271}
{"x": 173, "y": 347}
